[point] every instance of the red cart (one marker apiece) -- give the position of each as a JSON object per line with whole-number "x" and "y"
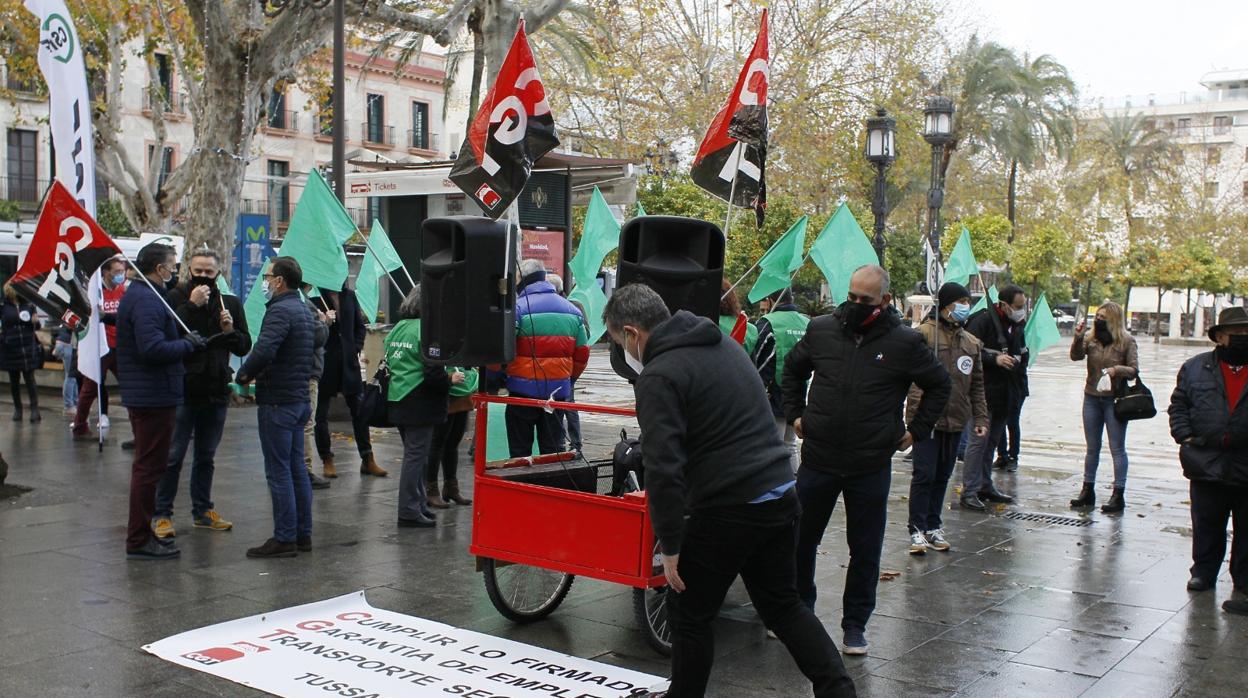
{"x": 540, "y": 521}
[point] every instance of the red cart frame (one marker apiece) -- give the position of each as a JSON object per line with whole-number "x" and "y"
{"x": 579, "y": 533}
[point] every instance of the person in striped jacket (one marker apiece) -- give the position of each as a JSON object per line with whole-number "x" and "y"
{"x": 551, "y": 352}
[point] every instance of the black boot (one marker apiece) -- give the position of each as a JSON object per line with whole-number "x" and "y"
{"x": 1115, "y": 503}
{"x": 1086, "y": 498}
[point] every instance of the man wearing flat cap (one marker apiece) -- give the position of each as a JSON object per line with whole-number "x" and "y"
{"x": 1209, "y": 420}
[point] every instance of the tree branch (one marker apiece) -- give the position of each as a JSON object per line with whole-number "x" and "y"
{"x": 178, "y": 60}
{"x": 535, "y": 17}
{"x": 441, "y": 28}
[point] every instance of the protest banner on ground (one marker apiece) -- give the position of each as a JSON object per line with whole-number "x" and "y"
{"x": 345, "y": 647}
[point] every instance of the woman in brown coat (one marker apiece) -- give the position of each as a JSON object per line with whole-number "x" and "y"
{"x": 1112, "y": 359}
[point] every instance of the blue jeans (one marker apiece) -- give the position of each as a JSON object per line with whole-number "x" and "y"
{"x": 1098, "y": 416}
{"x": 69, "y": 387}
{"x": 281, "y": 441}
{"x": 206, "y": 424}
{"x": 866, "y": 513}
{"x": 934, "y": 460}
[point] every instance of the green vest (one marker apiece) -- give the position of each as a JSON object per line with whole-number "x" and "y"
{"x": 788, "y": 327}
{"x": 471, "y": 379}
{"x": 727, "y": 322}
{"x": 407, "y": 371}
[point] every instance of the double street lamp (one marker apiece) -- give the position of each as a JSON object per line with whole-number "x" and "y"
{"x": 881, "y": 151}
{"x": 938, "y": 131}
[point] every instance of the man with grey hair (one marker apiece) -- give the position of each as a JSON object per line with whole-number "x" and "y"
{"x": 552, "y": 350}
{"x": 863, "y": 360}
{"x": 719, "y": 489}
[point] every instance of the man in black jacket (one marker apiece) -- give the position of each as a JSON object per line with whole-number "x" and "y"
{"x": 342, "y": 375}
{"x": 207, "y": 311}
{"x": 1209, "y": 420}
{"x": 712, "y": 454}
{"x": 864, "y": 361}
{"x": 1001, "y": 328}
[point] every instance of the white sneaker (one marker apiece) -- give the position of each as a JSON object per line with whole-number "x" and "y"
{"x": 103, "y": 421}
{"x": 936, "y": 539}
{"x": 918, "y": 543}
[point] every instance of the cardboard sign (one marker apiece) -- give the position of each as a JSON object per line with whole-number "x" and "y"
{"x": 345, "y": 647}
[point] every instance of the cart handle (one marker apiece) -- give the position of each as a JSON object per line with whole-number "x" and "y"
{"x": 541, "y": 459}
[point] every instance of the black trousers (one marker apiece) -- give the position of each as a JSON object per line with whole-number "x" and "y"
{"x": 359, "y": 425}
{"x": 522, "y": 420}
{"x": 1008, "y": 445}
{"x": 866, "y": 513}
{"x": 445, "y": 451}
{"x": 15, "y": 378}
{"x": 1212, "y": 504}
{"x": 756, "y": 542}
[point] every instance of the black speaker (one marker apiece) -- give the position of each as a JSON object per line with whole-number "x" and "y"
{"x": 680, "y": 258}
{"x": 468, "y": 295}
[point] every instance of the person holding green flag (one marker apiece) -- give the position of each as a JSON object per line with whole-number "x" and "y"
{"x": 778, "y": 332}
{"x": 416, "y": 404}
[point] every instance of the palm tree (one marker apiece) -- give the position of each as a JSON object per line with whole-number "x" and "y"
{"x": 1038, "y": 118}
{"x": 987, "y": 75}
{"x": 1133, "y": 155}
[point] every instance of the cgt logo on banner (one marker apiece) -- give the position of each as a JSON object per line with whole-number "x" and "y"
{"x": 345, "y": 647}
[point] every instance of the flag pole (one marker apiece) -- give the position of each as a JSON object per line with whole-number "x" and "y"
{"x": 732, "y": 190}
{"x": 755, "y": 265}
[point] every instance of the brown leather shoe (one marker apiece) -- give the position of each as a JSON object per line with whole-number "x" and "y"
{"x": 453, "y": 494}
{"x": 327, "y": 467}
{"x": 434, "y": 496}
{"x": 368, "y": 466}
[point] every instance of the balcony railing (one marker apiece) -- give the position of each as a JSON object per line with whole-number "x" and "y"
{"x": 169, "y": 103}
{"x": 28, "y": 87}
{"x": 377, "y": 134}
{"x": 284, "y": 119}
{"x": 25, "y": 190}
{"x": 277, "y": 210}
{"x": 1170, "y": 99}
{"x": 419, "y": 139}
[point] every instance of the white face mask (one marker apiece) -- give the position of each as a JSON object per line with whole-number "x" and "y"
{"x": 264, "y": 288}
{"x": 1018, "y": 315}
{"x": 633, "y": 363}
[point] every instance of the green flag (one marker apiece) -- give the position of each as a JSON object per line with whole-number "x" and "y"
{"x": 779, "y": 263}
{"x": 962, "y": 265}
{"x": 641, "y": 210}
{"x": 223, "y": 287}
{"x": 368, "y": 283}
{"x": 600, "y": 235}
{"x": 317, "y": 232}
{"x": 1041, "y": 331}
{"x": 840, "y": 249}
{"x": 253, "y": 307}
{"x": 984, "y": 299}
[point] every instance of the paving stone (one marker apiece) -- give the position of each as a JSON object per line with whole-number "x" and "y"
{"x": 944, "y": 664}
{"x": 1020, "y": 680}
{"x": 1078, "y": 652}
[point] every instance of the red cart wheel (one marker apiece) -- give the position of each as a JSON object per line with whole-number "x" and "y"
{"x": 650, "y": 606}
{"x": 523, "y": 593}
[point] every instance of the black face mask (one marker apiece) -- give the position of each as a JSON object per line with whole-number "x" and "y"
{"x": 204, "y": 281}
{"x": 858, "y": 316}
{"x": 1103, "y": 335}
{"x": 1236, "y": 353}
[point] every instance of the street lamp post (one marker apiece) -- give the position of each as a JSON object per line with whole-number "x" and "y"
{"x": 937, "y": 130}
{"x": 881, "y": 150}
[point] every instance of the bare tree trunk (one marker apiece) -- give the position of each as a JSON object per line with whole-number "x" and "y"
{"x": 478, "y": 66}
{"x": 1188, "y": 313}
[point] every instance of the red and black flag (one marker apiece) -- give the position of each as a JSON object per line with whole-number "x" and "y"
{"x": 513, "y": 128}
{"x": 67, "y": 248}
{"x": 735, "y": 146}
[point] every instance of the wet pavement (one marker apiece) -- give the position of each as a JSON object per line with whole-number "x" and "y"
{"x": 1017, "y": 608}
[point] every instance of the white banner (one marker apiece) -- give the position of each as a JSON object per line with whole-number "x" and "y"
{"x": 60, "y": 61}
{"x": 176, "y": 241}
{"x": 935, "y": 274}
{"x": 93, "y": 344}
{"x": 345, "y": 647}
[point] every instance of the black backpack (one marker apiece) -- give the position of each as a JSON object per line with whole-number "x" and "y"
{"x": 625, "y": 459}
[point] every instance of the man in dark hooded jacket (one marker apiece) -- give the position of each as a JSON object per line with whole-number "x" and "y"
{"x": 719, "y": 489}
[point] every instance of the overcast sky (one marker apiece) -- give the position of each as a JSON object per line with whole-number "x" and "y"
{"x": 1118, "y": 47}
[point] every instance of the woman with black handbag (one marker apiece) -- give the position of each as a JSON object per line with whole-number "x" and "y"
{"x": 1112, "y": 359}
{"x": 416, "y": 403}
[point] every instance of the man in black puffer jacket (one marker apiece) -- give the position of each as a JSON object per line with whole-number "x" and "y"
{"x": 719, "y": 489}
{"x": 864, "y": 362}
{"x": 281, "y": 364}
{"x": 1209, "y": 419}
{"x": 207, "y": 311}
